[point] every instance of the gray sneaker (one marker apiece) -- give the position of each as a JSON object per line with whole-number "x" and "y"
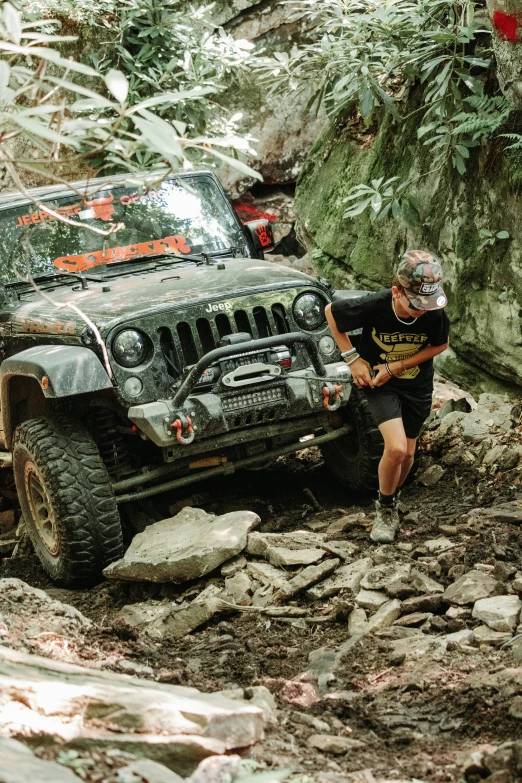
{"x": 401, "y": 507}
{"x": 385, "y": 524}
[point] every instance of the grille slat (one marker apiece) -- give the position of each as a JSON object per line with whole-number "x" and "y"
{"x": 188, "y": 341}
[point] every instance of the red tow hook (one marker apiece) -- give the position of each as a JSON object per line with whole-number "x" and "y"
{"x": 332, "y": 396}
{"x": 184, "y": 430}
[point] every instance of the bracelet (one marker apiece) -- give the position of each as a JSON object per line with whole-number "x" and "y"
{"x": 353, "y": 360}
{"x": 351, "y": 352}
{"x": 388, "y": 370}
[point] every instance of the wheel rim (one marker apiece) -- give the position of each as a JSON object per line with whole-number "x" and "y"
{"x": 41, "y": 508}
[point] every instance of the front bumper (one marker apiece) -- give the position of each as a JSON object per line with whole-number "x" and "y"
{"x": 245, "y": 413}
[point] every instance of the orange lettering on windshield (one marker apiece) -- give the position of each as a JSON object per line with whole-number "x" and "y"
{"x": 176, "y": 244}
{"x": 39, "y": 217}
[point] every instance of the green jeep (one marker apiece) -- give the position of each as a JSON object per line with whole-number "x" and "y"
{"x": 143, "y": 359}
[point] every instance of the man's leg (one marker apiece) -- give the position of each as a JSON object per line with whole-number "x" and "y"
{"x": 408, "y": 460}
{"x": 386, "y": 521}
{"x": 394, "y": 457}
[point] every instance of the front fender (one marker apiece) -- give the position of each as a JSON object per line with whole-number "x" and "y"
{"x": 61, "y": 370}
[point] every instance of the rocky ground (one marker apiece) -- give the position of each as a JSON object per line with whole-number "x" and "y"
{"x": 369, "y": 663}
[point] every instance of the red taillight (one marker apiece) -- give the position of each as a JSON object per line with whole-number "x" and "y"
{"x": 285, "y": 363}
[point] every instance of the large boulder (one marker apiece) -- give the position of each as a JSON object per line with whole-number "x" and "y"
{"x": 82, "y": 708}
{"x": 482, "y": 282}
{"x": 184, "y": 547}
{"x": 284, "y": 131}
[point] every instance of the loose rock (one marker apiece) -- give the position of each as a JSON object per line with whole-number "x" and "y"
{"x": 347, "y": 577}
{"x": 258, "y": 544}
{"x": 184, "y": 547}
{"x": 234, "y": 565}
{"x": 279, "y": 556}
{"x": 329, "y": 743}
{"x": 149, "y": 770}
{"x": 472, "y": 587}
{"x": 386, "y": 577}
{"x": 181, "y": 619}
{"x": 484, "y": 635}
{"x": 370, "y": 599}
{"x": 384, "y": 616}
{"x": 267, "y": 574}
{"x": 307, "y": 577}
{"x": 217, "y": 769}
{"x": 422, "y": 603}
{"x": 500, "y": 613}
{"x": 431, "y": 476}
{"x": 357, "y": 623}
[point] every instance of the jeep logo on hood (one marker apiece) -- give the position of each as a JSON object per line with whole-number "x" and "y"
{"x": 214, "y": 308}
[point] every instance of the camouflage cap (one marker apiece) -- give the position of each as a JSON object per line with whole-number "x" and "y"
{"x": 420, "y": 275}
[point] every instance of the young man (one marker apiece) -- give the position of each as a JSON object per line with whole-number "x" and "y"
{"x": 402, "y": 330}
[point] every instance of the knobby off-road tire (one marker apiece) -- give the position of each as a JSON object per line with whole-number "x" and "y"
{"x": 66, "y": 498}
{"x": 354, "y": 459}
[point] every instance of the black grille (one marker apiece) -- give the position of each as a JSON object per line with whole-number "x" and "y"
{"x": 187, "y": 343}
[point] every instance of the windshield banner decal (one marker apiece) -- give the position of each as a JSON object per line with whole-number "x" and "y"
{"x": 39, "y": 217}
{"x": 176, "y": 245}
{"x": 101, "y": 208}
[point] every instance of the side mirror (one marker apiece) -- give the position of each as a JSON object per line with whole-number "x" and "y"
{"x": 262, "y": 236}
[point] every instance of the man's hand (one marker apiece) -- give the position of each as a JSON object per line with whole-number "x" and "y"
{"x": 382, "y": 376}
{"x": 360, "y": 370}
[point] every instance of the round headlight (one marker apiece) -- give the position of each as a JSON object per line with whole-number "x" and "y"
{"x": 129, "y": 348}
{"x": 309, "y": 311}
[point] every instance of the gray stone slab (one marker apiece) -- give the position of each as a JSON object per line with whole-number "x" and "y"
{"x": 184, "y": 547}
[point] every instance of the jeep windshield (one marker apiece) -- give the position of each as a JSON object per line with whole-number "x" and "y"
{"x": 185, "y": 216}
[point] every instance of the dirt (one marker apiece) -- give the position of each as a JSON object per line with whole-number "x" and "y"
{"x": 418, "y": 718}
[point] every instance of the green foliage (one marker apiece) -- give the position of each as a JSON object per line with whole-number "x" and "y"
{"x": 490, "y": 239}
{"x": 384, "y": 198}
{"x": 515, "y": 138}
{"x": 47, "y": 110}
{"x": 80, "y": 11}
{"x": 368, "y": 54}
{"x": 163, "y": 46}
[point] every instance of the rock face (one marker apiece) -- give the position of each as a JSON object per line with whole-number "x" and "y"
{"x": 483, "y": 284}
{"x": 184, "y": 547}
{"x": 284, "y": 131}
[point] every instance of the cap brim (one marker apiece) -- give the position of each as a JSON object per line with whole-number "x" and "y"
{"x": 436, "y": 301}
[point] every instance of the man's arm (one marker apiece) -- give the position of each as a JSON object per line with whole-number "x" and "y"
{"x": 396, "y": 368}
{"x": 360, "y": 369}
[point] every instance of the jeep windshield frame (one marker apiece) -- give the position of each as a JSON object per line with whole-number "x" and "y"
{"x": 184, "y": 217}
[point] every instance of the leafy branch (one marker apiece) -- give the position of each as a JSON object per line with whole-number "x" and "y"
{"x": 50, "y": 118}
{"x": 369, "y": 54}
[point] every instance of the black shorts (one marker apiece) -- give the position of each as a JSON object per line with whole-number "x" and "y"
{"x": 387, "y": 402}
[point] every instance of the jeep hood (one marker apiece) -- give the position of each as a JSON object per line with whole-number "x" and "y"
{"x": 133, "y": 294}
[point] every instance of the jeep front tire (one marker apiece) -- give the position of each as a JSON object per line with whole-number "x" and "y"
{"x": 67, "y": 501}
{"x": 354, "y": 459}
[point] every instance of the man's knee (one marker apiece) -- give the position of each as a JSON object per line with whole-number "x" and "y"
{"x": 411, "y": 448}
{"x": 396, "y": 451}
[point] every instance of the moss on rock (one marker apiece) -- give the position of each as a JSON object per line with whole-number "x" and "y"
{"x": 484, "y": 283}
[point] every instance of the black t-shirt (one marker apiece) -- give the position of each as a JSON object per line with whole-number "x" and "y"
{"x": 384, "y": 337}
